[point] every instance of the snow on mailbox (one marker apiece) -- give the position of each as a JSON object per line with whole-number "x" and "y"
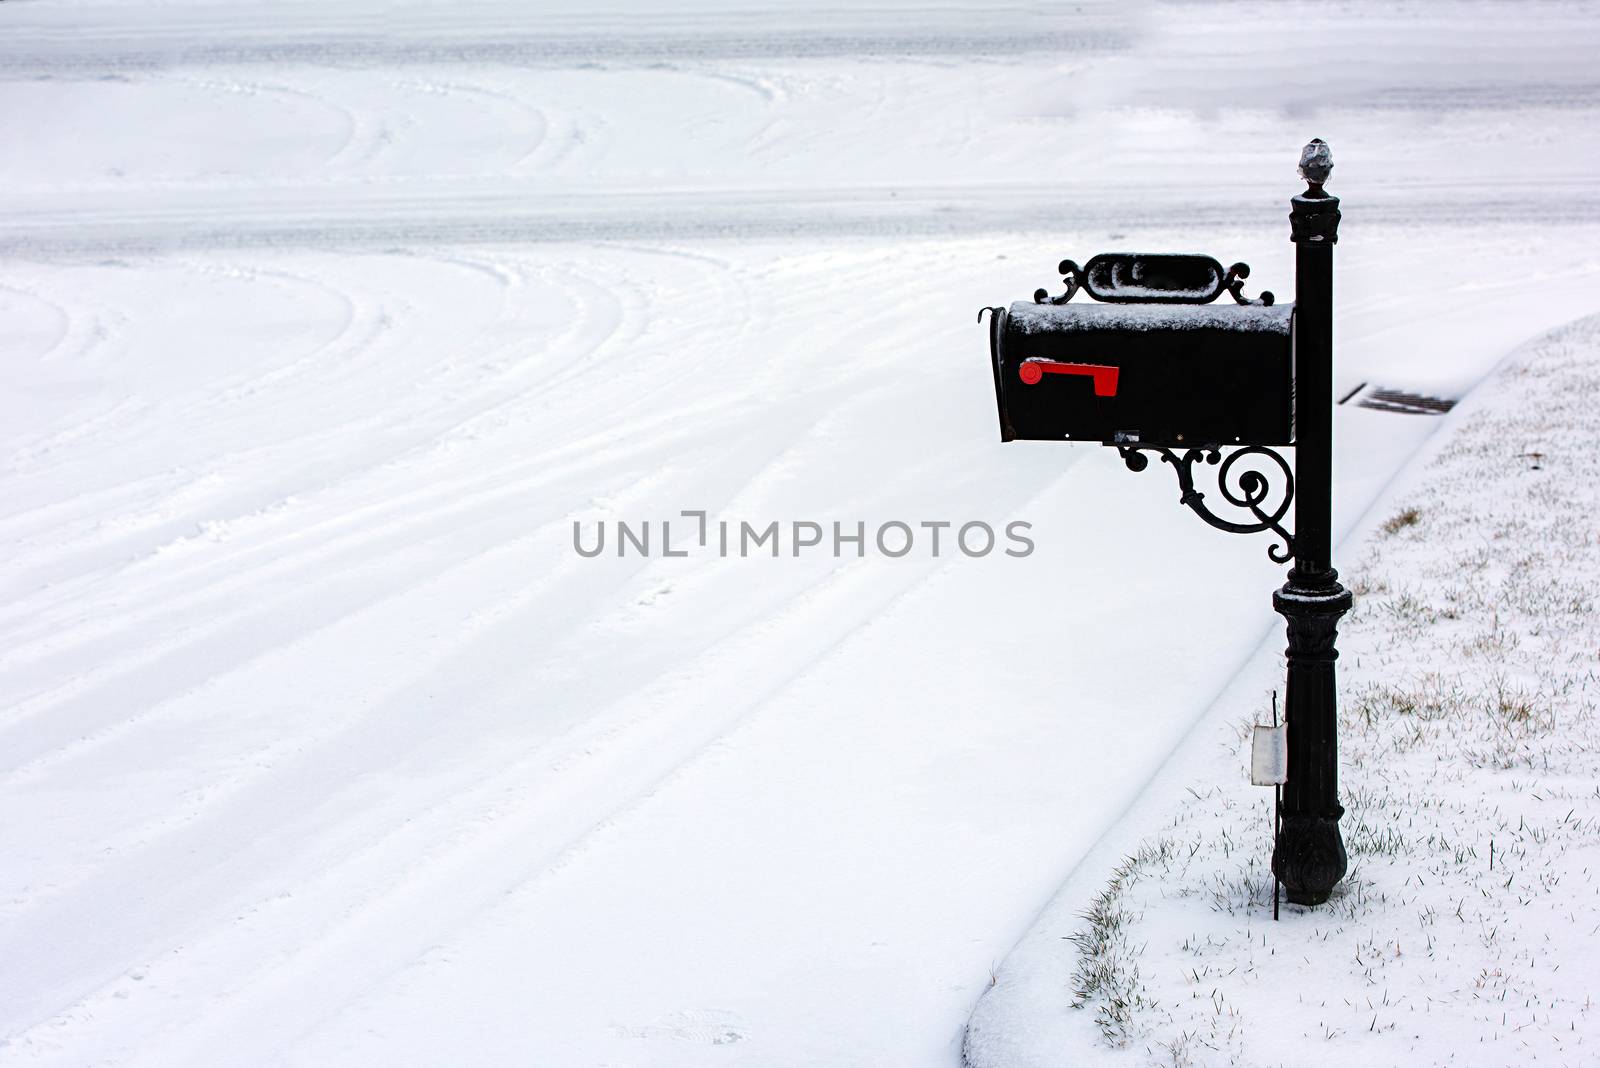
{"x": 1155, "y": 363}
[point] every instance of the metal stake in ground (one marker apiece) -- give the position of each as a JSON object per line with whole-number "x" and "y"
{"x": 1277, "y": 819}
{"x": 1309, "y": 856}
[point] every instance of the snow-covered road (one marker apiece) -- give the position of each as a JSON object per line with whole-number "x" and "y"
{"x": 320, "y": 325}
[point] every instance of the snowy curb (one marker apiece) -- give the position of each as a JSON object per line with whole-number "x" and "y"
{"x": 1468, "y": 720}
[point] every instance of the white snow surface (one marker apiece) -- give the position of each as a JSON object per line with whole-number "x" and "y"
{"x": 322, "y": 323}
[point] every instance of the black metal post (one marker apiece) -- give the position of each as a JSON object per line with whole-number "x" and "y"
{"x": 1309, "y": 855}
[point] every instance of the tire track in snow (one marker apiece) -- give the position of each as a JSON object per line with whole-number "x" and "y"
{"x": 30, "y": 458}
{"x": 77, "y": 688}
{"x": 226, "y": 616}
{"x": 320, "y": 776}
{"x": 194, "y": 653}
{"x": 46, "y": 42}
{"x": 490, "y": 827}
{"x": 409, "y": 213}
{"x": 278, "y": 91}
{"x": 346, "y": 356}
{"x": 64, "y": 321}
{"x": 319, "y": 742}
{"x": 534, "y": 120}
{"x": 313, "y": 767}
{"x": 413, "y": 503}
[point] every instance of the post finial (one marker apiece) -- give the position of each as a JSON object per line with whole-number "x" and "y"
{"x": 1314, "y": 214}
{"x": 1316, "y": 164}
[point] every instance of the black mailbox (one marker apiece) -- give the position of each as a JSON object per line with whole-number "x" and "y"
{"x": 1158, "y": 364}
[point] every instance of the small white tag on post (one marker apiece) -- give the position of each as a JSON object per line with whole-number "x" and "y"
{"x": 1269, "y": 755}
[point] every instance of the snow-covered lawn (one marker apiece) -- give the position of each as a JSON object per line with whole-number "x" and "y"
{"x": 1465, "y": 932}
{"x": 322, "y": 323}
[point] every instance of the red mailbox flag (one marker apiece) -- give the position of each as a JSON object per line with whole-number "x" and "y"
{"x": 1104, "y": 376}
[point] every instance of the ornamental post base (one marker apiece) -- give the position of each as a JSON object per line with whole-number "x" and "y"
{"x": 1308, "y": 856}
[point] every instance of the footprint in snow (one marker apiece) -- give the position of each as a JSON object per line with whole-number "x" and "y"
{"x": 711, "y": 1027}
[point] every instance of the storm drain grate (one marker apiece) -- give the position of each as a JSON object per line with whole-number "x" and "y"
{"x": 1398, "y": 400}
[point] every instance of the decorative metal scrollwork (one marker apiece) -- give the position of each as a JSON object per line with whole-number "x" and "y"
{"x": 1160, "y": 278}
{"x": 1233, "y": 284}
{"x": 1247, "y": 489}
{"x": 1071, "y": 277}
